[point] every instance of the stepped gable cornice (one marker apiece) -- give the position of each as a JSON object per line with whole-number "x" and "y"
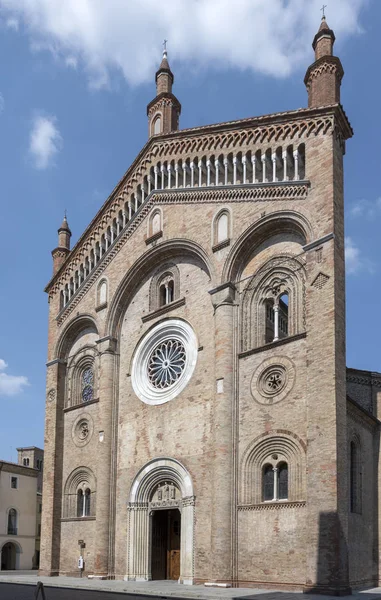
{"x": 209, "y": 138}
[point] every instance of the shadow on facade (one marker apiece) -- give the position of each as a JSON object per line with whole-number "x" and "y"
{"x": 333, "y": 577}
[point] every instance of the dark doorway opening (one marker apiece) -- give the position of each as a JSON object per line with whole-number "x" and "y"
{"x": 8, "y": 557}
{"x": 166, "y": 526}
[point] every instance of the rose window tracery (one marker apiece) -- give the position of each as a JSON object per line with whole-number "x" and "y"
{"x": 273, "y": 382}
{"x": 166, "y": 363}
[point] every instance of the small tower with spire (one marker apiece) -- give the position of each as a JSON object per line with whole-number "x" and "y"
{"x": 60, "y": 253}
{"x": 164, "y": 110}
{"x": 323, "y": 77}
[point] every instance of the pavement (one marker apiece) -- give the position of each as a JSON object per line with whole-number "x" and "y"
{"x": 168, "y": 589}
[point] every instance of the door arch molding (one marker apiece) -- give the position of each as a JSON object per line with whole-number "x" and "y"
{"x": 140, "y": 510}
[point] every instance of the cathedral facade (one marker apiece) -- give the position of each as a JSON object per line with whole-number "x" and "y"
{"x": 201, "y": 424}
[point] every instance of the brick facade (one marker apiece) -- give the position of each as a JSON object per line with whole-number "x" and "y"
{"x": 250, "y": 401}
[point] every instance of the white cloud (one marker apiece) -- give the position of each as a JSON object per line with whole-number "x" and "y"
{"x": 352, "y": 257}
{"x": 272, "y": 37}
{"x": 355, "y": 262}
{"x": 45, "y": 141}
{"x": 11, "y": 385}
{"x": 12, "y": 23}
{"x": 365, "y": 208}
{"x": 71, "y": 61}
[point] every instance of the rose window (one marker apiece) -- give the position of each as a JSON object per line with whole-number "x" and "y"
{"x": 166, "y": 363}
{"x": 274, "y": 382}
{"x": 87, "y": 385}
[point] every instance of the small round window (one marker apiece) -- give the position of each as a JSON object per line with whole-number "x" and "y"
{"x": 164, "y": 361}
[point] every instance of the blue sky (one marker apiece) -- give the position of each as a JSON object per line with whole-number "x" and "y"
{"x": 75, "y": 79}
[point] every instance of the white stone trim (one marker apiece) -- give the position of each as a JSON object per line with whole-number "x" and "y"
{"x": 139, "y": 526}
{"x": 168, "y": 329}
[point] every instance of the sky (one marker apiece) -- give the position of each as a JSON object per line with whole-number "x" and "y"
{"x": 75, "y": 79}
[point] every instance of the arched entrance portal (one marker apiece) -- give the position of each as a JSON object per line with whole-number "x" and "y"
{"x": 9, "y": 556}
{"x": 160, "y": 523}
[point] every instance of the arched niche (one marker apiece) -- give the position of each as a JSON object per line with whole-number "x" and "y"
{"x": 289, "y": 224}
{"x": 76, "y": 334}
{"x": 143, "y": 268}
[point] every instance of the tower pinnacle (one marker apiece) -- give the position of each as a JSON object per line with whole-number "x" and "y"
{"x": 323, "y": 77}
{"x": 60, "y": 253}
{"x": 164, "y": 110}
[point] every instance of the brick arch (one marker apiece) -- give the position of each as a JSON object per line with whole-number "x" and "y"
{"x": 287, "y": 222}
{"x": 149, "y": 261}
{"x": 290, "y": 448}
{"x": 72, "y": 330}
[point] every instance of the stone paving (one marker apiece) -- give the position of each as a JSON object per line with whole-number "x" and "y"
{"x": 169, "y": 589}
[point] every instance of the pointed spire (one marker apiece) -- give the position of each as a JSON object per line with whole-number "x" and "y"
{"x": 164, "y": 76}
{"x": 323, "y": 40}
{"x": 63, "y": 249}
{"x": 164, "y": 110}
{"x": 64, "y": 225}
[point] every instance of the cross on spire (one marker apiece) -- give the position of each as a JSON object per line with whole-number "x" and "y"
{"x": 323, "y": 9}
{"x": 165, "y": 47}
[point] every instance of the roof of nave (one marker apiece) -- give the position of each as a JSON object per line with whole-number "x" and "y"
{"x": 264, "y": 121}
{"x": 366, "y": 375}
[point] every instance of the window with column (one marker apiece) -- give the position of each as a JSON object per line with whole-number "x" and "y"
{"x": 276, "y": 318}
{"x": 166, "y": 291}
{"x": 165, "y": 287}
{"x": 84, "y": 503}
{"x": 79, "y": 498}
{"x": 275, "y": 482}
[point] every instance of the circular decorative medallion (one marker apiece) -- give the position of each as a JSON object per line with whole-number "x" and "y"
{"x": 51, "y": 395}
{"x": 164, "y": 361}
{"x": 273, "y": 380}
{"x": 82, "y": 430}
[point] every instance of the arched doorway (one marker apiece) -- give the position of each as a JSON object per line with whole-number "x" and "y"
{"x": 9, "y": 555}
{"x": 161, "y": 523}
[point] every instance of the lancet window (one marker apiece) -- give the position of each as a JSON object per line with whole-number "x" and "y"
{"x": 355, "y": 477}
{"x": 12, "y": 522}
{"x": 165, "y": 287}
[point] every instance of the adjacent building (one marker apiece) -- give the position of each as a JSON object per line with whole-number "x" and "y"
{"x": 33, "y": 457}
{"x": 18, "y": 509}
{"x": 200, "y": 421}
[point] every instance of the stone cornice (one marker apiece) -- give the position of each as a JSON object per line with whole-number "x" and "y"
{"x": 226, "y": 137}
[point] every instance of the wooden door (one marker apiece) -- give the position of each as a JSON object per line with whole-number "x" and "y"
{"x": 174, "y": 564}
{"x": 173, "y": 553}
